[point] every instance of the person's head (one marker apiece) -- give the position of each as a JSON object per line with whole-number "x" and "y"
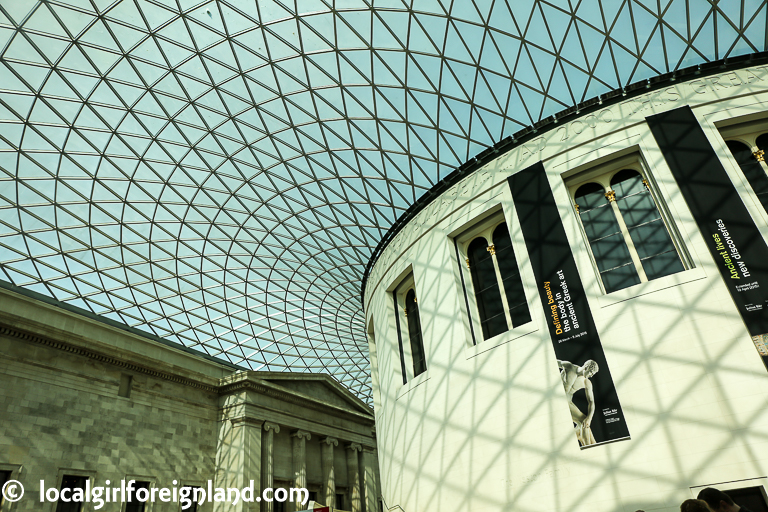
{"x": 590, "y": 368}
{"x": 694, "y": 506}
{"x": 717, "y": 500}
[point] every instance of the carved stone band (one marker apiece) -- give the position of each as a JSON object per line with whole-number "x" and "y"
{"x": 244, "y": 420}
{"x": 301, "y": 434}
{"x": 272, "y": 426}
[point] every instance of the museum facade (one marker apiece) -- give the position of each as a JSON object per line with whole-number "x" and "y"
{"x": 576, "y": 320}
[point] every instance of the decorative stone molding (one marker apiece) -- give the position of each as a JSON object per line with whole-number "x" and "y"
{"x": 105, "y": 358}
{"x": 354, "y": 447}
{"x": 301, "y": 434}
{"x": 245, "y": 420}
{"x": 268, "y": 425}
{"x": 330, "y": 441}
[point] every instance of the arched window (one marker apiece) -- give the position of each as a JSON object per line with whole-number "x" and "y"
{"x": 512, "y": 284}
{"x": 627, "y": 235}
{"x": 751, "y": 167}
{"x": 614, "y": 262}
{"x": 486, "y": 285}
{"x": 414, "y": 333}
{"x": 654, "y": 246}
{"x": 496, "y": 281}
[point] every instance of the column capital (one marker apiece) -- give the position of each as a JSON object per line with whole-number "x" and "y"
{"x": 268, "y": 425}
{"x": 301, "y": 434}
{"x": 354, "y": 447}
{"x": 245, "y": 420}
{"x": 330, "y": 441}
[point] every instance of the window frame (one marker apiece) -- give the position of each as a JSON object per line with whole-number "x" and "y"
{"x": 399, "y": 292}
{"x": 152, "y": 481}
{"x": 90, "y": 477}
{"x": 747, "y": 133}
{"x": 484, "y": 227}
{"x": 13, "y": 474}
{"x": 603, "y": 174}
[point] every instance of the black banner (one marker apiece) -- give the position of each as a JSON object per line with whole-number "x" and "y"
{"x": 732, "y": 237}
{"x": 596, "y": 412}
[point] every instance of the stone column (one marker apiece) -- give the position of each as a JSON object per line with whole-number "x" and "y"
{"x": 239, "y": 460}
{"x": 268, "y": 462}
{"x": 300, "y": 438}
{"x": 353, "y": 477}
{"x": 369, "y": 480}
{"x": 329, "y": 474}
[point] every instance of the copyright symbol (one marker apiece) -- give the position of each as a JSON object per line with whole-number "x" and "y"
{"x": 13, "y": 491}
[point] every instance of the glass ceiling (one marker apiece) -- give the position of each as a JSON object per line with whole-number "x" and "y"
{"x": 218, "y": 173}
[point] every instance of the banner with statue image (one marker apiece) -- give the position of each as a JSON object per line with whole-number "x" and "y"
{"x": 591, "y": 395}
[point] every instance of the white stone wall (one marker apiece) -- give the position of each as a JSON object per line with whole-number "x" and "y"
{"x": 487, "y": 427}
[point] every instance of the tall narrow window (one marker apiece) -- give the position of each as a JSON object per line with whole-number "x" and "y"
{"x": 68, "y": 485}
{"x": 135, "y": 503}
{"x": 194, "y": 497}
{"x": 654, "y": 246}
{"x": 628, "y": 237}
{"x": 487, "y": 294}
{"x": 414, "y": 333}
{"x": 509, "y": 272}
{"x": 497, "y": 286}
{"x": 749, "y": 152}
{"x": 4, "y": 477}
{"x": 413, "y": 360}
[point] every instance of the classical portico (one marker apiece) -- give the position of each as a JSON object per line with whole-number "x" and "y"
{"x": 297, "y": 430}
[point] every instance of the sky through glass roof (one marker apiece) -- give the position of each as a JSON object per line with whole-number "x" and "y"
{"x": 218, "y": 173}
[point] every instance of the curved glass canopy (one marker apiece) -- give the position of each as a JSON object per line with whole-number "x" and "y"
{"x": 219, "y": 172}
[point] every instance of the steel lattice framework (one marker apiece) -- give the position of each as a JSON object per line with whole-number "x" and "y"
{"x": 218, "y": 173}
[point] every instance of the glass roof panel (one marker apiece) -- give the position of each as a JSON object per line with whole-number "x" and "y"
{"x": 221, "y": 172}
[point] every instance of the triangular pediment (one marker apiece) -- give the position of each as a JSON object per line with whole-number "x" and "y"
{"x": 318, "y": 387}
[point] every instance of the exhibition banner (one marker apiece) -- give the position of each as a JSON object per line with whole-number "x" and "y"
{"x": 732, "y": 237}
{"x": 591, "y": 395}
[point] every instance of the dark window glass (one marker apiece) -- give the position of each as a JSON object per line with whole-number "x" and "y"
{"x": 70, "y": 482}
{"x": 605, "y": 238}
{"x": 340, "y": 501}
{"x": 399, "y": 338}
{"x": 492, "y": 318}
{"x": 510, "y": 275}
{"x": 654, "y": 246}
{"x": 762, "y": 143}
{"x": 751, "y": 498}
{"x": 414, "y": 333}
{"x": 194, "y": 506}
{"x": 751, "y": 168}
{"x": 4, "y": 477}
{"x": 278, "y": 506}
{"x": 134, "y": 505}
{"x": 312, "y": 495}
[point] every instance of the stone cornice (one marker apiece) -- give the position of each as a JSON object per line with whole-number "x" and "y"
{"x": 157, "y": 367}
{"x": 246, "y": 420}
{"x": 106, "y": 358}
